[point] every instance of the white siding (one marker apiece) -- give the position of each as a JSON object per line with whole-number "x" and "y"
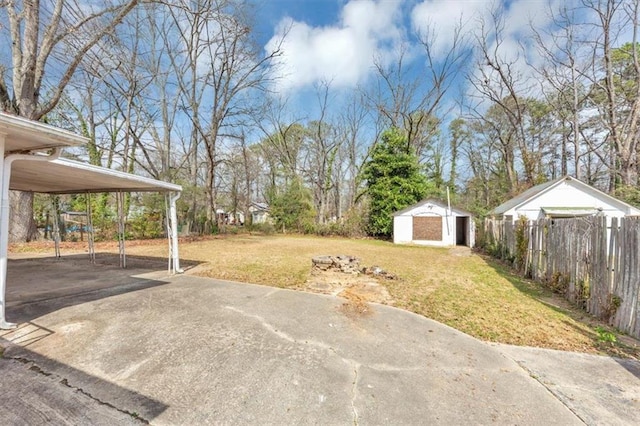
{"x": 403, "y": 226}
{"x": 402, "y": 229}
{"x": 564, "y": 195}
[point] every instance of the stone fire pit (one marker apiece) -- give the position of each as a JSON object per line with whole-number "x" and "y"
{"x": 342, "y": 275}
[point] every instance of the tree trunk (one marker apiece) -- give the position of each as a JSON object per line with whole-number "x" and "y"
{"x": 33, "y": 38}
{"x": 22, "y": 225}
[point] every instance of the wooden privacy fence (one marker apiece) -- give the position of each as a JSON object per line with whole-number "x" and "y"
{"x": 593, "y": 262}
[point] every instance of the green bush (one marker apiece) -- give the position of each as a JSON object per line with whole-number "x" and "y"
{"x": 145, "y": 226}
{"x": 263, "y": 228}
{"x": 522, "y": 242}
{"x": 292, "y": 210}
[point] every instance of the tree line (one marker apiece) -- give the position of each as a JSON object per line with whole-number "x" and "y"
{"x": 183, "y": 91}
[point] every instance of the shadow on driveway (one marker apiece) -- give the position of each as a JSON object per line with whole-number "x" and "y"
{"x": 41, "y": 285}
{"x": 31, "y": 395}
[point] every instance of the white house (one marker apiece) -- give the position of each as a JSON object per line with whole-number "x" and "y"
{"x": 259, "y": 213}
{"x": 432, "y": 223}
{"x": 562, "y": 198}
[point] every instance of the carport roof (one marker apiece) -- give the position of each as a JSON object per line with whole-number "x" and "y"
{"x": 64, "y": 176}
{"x": 21, "y": 134}
{"x": 26, "y": 170}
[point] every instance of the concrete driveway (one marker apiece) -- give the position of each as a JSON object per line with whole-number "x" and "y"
{"x": 138, "y": 346}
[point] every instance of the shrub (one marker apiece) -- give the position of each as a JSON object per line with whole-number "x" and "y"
{"x": 522, "y": 242}
{"x": 264, "y": 228}
{"x": 145, "y": 225}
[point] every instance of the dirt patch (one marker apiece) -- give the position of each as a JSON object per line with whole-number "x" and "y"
{"x": 355, "y": 309}
{"x": 342, "y": 276}
{"x": 461, "y": 251}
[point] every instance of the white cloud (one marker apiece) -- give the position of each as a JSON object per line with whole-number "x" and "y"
{"x": 342, "y": 53}
{"x": 441, "y": 18}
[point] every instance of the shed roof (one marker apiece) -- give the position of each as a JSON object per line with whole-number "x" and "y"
{"x": 435, "y": 201}
{"x": 64, "y": 176}
{"x": 538, "y": 190}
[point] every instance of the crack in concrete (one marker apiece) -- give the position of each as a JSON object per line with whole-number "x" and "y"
{"x": 538, "y": 379}
{"x": 391, "y": 368}
{"x": 356, "y": 365}
{"x": 135, "y": 415}
{"x": 354, "y": 394}
{"x": 63, "y": 381}
{"x": 264, "y": 323}
{"x": 322, "y": 345}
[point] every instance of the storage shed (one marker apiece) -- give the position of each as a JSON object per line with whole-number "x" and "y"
{"x": 432, "y": 222}
{"x": 563, "y": 198}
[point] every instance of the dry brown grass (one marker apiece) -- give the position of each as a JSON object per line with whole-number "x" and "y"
{"x": 469, "y": 292}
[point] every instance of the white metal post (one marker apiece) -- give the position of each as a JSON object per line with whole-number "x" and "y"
{"x": 121, "y": 229}
{"x": 56, "y": 225}
{"x": 174, "y": 233}
{"x": 4, "y": 211}
{"x": 90, "y": 235}
{"x": 4, "y": 223}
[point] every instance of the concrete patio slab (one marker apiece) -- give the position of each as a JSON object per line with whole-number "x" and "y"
{"x": 600, "y": 390}
{"x": 189, "y": 350}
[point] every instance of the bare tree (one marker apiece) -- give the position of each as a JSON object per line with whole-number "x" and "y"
{"x": 412, "y": 103}
{"x": 231, "y": 70}
{"x": 142, "y": 90}
{"x": 283, "y": 135}
{"x": 186, "y": 51}
{"x": 620, "y": 110}
{"x": 321, "y": 146}
{"x": 48, "y": 43}
{"x": 504, "y": 103}
{"x": 565, "y": 85}
{"x": 352, "y": 125}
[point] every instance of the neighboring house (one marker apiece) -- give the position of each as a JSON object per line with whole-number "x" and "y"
{"x": 229, "y": 218}
{"x": 432, "y": 223}
{"x": 259, "y": 213}
{"x": 563, "y": 198}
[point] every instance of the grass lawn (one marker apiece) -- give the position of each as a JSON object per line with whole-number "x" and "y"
{"x": 470, "y": 292}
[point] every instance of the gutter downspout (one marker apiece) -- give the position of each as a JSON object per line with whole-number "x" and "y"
{"x": 4, "y": 220}
{"x": 3, "y": 324}
{"x": 173, "y": 211}
{"x": 449, "y": 214}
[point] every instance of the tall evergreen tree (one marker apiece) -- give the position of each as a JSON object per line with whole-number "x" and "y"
{"x": 293, "y": 210}
{"x": 394, "y": 180}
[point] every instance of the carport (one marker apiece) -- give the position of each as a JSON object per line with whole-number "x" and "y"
{"x": 31, "y": 153}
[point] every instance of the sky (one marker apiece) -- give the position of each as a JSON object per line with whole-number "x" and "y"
{"x": 337, "y": 40}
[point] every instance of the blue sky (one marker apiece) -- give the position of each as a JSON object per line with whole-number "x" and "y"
{"x": 315, "y": 12}
{"x": 338, "y": 39}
